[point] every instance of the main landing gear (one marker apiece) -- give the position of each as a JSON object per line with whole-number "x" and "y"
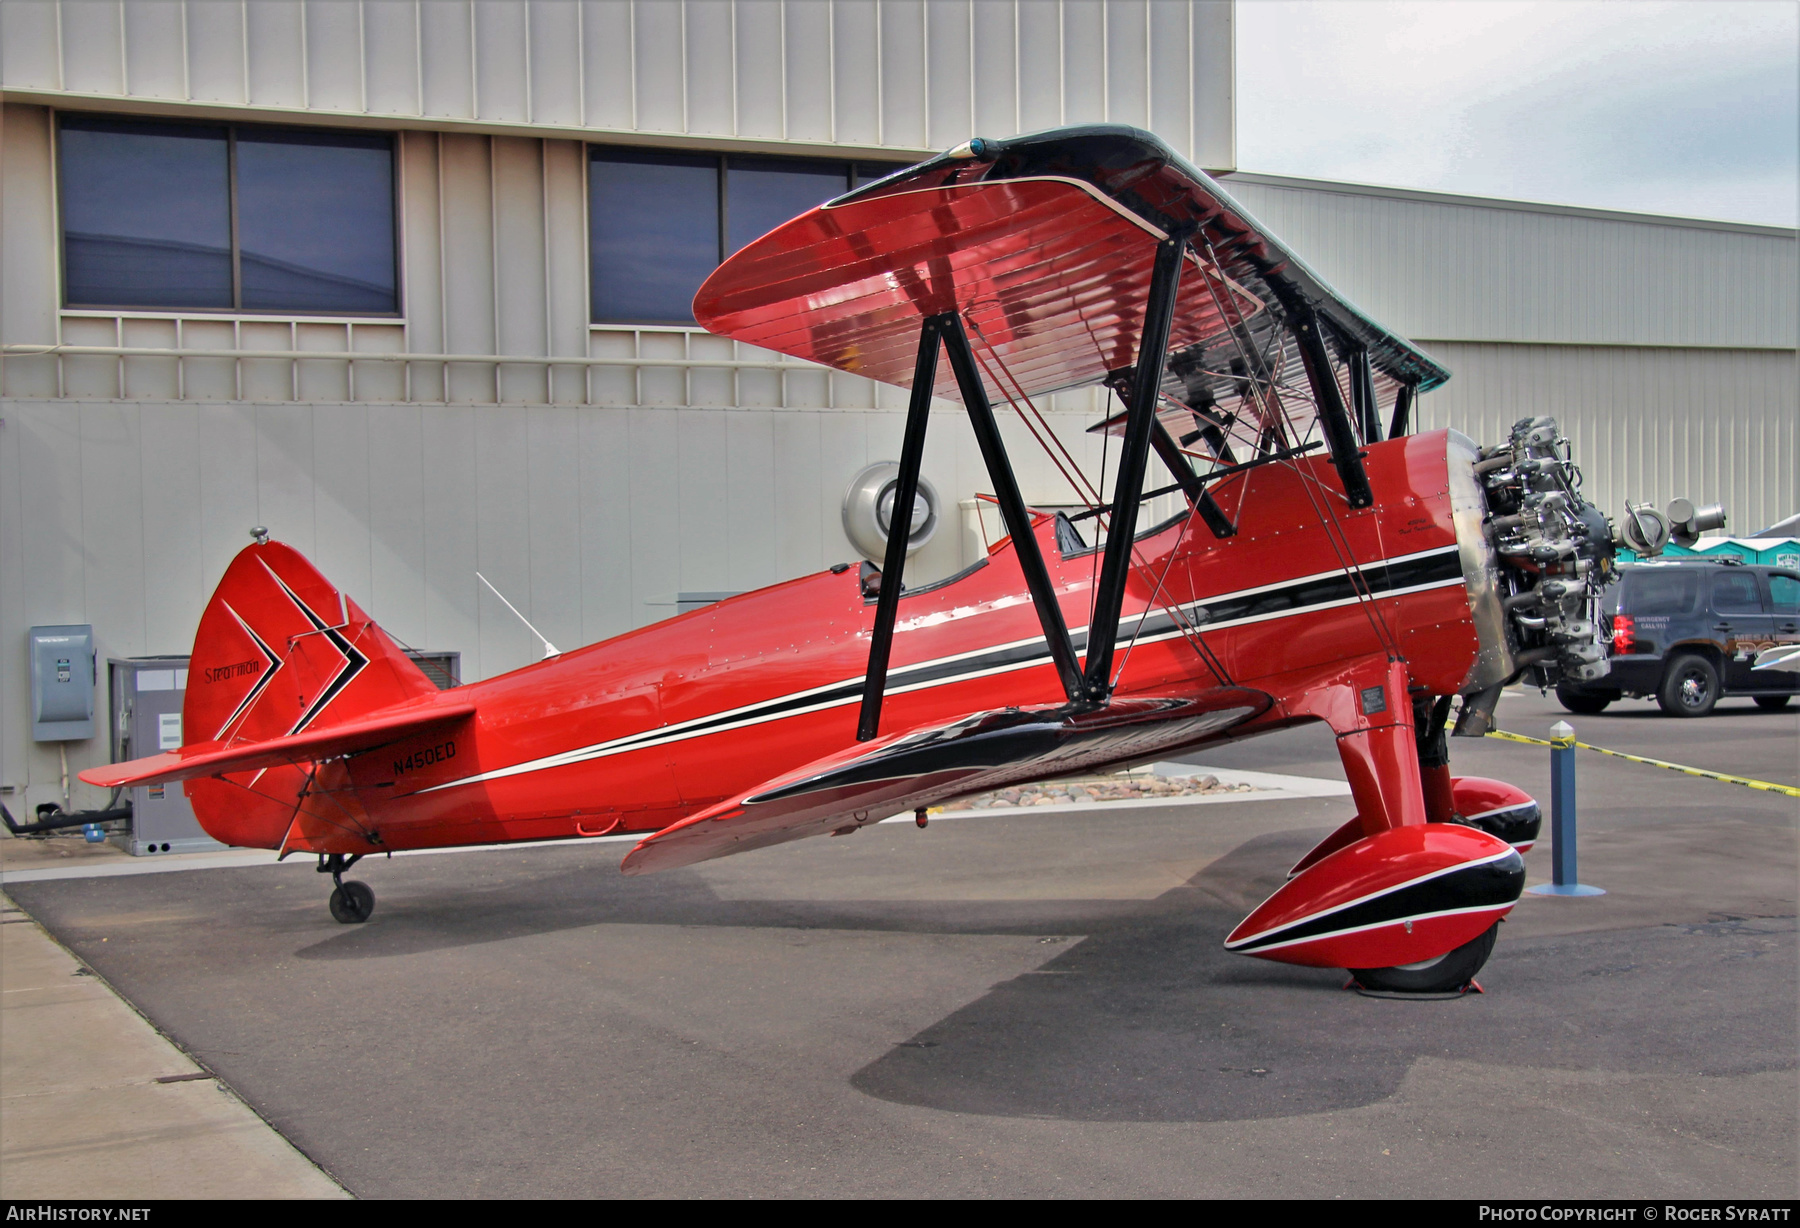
{"x": 1448, "y": 973}
{"x": 352, "y": 902}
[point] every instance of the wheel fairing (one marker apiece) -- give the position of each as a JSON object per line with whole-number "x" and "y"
{"x": 1405, "y": 895}
{"x": 1500, "y": 809}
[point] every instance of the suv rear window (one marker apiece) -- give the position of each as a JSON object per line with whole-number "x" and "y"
{"x": 1661, "y": 592}
{"x": 1735, "y": 592}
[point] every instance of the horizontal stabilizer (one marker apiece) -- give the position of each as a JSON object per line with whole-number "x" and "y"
{"x": 922, "y": 767}
{"x": 218, "y": 758}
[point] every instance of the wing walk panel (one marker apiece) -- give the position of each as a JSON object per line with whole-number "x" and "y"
{"x": 926, "y": 766}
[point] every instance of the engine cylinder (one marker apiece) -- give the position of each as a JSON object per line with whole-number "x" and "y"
{"x": 1553, "y": 554}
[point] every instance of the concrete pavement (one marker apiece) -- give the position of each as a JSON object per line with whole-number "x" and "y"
{"x": 94, "y": 1103}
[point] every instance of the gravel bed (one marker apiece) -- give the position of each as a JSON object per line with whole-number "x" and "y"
{"x": 1099, "y": 789}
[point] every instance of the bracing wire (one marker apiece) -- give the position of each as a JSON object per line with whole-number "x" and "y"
{"x": 1096, "y": 500}
{"x": 1059, "y": 454}
{"x": 1335, "y": 535}
{"x": 298, "y": 802}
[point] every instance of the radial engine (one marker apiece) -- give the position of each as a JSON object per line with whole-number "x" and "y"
{"x": 1555, "y": 551}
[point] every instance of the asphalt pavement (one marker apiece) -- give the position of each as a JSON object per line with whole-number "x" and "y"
{"x": 1015, "y": 1005}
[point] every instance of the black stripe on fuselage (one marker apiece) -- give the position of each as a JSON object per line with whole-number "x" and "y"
{"x": 1436, "y": 567}
{"x": 1301, "y": 595}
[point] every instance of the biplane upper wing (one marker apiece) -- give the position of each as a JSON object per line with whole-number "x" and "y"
{"x": 1042, "y": 243}
{"x": 923, "y": 767}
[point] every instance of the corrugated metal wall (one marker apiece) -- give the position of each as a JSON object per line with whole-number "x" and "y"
{"x": 906, "y": 75}
{"x": 1713, "y": 425}
{"x": 494, "y": 262}
{"x": 1471, "y": 270}
{"x": 590, "y": 519}
{"x": 1666, "y": 346}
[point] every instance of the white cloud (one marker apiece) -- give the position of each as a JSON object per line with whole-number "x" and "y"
{"x": 1678, "y": 107}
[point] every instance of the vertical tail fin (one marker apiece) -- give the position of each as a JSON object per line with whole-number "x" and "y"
{"x": 280, "y": 650}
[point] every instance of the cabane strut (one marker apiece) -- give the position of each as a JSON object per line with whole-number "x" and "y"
{"x": 1082, "y": 689}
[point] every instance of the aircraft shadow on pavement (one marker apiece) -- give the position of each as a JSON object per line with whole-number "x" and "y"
{"x": 1148, "y": 1018}
{"x": 1152, "y": 1020}
{"x": 450, "y": 903}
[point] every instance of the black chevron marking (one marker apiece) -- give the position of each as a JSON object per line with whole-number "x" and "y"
{"x": 256, "y": 689}
{"x": 354, "y": 661}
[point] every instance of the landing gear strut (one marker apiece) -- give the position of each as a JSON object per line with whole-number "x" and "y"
{"x": 352, "y": 902}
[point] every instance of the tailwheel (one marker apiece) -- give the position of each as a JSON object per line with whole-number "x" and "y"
{"x": 351, "y": 902}
{"x": 1447, "y": 973}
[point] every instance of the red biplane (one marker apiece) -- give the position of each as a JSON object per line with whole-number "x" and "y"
{"x": 1329, "y": 565}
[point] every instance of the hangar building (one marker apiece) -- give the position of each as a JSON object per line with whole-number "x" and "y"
{"x": 407, "y": 283}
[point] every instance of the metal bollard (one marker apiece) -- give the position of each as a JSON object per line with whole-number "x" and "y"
{"x": 1564, "y": 879}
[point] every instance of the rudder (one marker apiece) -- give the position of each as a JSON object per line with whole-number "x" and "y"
{"x": 281, "y": 650}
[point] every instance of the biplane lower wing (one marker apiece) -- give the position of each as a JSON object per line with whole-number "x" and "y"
{"x": 923, "y": 767}
{"x": 217, "y": 759}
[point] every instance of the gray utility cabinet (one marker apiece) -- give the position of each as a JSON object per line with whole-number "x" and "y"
{"x": 146, "y": 701}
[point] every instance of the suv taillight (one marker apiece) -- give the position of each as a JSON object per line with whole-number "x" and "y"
{"x": 1624, "y": 633}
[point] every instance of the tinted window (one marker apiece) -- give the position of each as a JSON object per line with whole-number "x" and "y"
{"x": 316, "y": 220}
{"x": 654, "y": 220}
{"x": 146, "y": 214}
{"x": 1734, "y": 592}
{"x": 147, "y": 217}
{"x": 1786, "y": 592}
{"x": 659, "y": 223}
{"x": 1662, "y": 592}
{"x": 762, "y": 193}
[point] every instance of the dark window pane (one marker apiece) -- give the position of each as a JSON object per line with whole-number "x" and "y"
{"x": 1786, "y": 592}
{"x": 316, "y": 220}
{"x": 762, "y": 193}
{"x": 146, "y": 214}
{"x": 1735, "y": 593}
{"x": 654, "y": 233}
{"x": 1662, "y": 592}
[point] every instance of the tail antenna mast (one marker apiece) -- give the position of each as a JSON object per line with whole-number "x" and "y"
{"x": 550, "y": 650}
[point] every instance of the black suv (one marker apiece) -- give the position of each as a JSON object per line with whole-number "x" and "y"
{"x": 1688, "y": 632}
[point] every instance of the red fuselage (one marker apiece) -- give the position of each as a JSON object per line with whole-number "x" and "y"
{"x": 636, "y": 732}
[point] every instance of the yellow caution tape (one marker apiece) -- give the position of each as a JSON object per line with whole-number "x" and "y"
{"x": 1763, "y": 785}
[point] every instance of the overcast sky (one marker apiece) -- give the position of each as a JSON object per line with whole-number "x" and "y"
{"x": 1685, "y": 107}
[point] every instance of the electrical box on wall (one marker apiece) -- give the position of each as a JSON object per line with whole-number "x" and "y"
{"x": 147, "y": 696}
{"x": 62, "y": 683}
